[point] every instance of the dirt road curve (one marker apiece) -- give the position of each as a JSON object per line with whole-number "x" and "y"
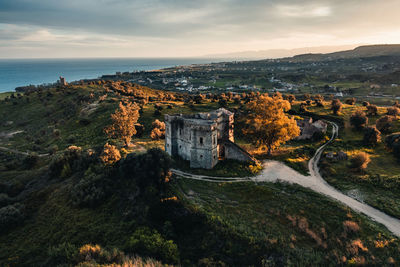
{"x": 275, "y": 171}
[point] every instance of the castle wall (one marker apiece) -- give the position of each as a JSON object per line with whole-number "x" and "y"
{"x": 233, "y": 151}
{"x": 197, "y": 138}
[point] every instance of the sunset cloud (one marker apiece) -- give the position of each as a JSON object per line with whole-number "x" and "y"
{"x": 189, "y": 28}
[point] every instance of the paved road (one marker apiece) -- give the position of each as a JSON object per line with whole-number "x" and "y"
{"x": 275, "y": 171}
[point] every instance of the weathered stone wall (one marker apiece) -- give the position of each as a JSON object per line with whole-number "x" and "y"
{"x": 198, "y": 138}
{"x": 233, "y": 151}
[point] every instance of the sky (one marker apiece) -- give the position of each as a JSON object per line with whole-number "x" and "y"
{"x": 185, "y": 28}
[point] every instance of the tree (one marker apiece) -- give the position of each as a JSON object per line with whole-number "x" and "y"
{"x": 158, "y": 131}
{"x": 268, "y": 123}
{"x": 222, "y": 102}
{"x": 360, "y": 161}
{"x": 372, "y": 136}
{"x": 393, "y": 143}
{"x": 384, "y": 123}
{"x": 123, "y": 122}
{"x": 359, "y": 120}
{"x": 372, "y": 110}
{"x": 365, "y": 104}
{"x": 350, "y": 101}
{"x": 393, "y": 111}
{"x": 110, "y": 154}
{"x": 319, "y": 100}
{"x": 336, "y": 106}
{"x": 290, "y": 98}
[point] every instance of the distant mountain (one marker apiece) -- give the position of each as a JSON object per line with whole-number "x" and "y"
{"x": 280, "y": 53}
{"x": 358, "y": 52}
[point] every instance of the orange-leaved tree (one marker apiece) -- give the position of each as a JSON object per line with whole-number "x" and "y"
{"x": 268, "y": 124}
{"x": 123, "y": 122}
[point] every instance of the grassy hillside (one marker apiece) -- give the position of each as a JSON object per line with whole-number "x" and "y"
{"x": 378, "y": 185}
{"x": 58, "y": 201}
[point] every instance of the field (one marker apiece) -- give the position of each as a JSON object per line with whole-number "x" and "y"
{"x": 232, "y": 223}
{"x": 377, "y": 185}
{"x": 289, "y": 220}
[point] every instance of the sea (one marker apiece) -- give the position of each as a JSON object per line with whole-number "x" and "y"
{"x": 22, "y": 72}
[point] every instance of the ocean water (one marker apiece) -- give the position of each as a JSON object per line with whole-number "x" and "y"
{"x": 20, "y": 72}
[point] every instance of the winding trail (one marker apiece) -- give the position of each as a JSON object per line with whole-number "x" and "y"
{"x": 275, "y": 171}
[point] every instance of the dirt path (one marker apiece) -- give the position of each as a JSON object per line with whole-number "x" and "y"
{"x": 20, "y": 152}
{"x": 275, "y": 171}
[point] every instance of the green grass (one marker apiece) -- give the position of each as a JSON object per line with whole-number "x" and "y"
{"x": 224, "y": 168}
{"x": 376, "y": 186}
{"x": 265, "y": 213}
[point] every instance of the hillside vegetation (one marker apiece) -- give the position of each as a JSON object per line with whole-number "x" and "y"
{"x": 71, "y": 195}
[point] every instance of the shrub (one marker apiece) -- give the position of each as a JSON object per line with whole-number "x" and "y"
{"x": 350, "y": 226}
{"x": 372, "y": 136}
{"x": 303, "y": 107}
{"x": 30, "y": 161}
{"x": 158, "y": 131}
{"x": 223, "y": 103}
{"x": 96, "y": 254}
{"x": 336, "y": 106}
{"x": 393, "y": 111}
{"x": 365, "y": 103}
{"x": 150, "y": 243}
{"x": 149, "y": 169}
{"x": 11, "y": 215}
{"x": 73, "y": 159}
{"x": 110, "y": 154}
{"x": 360, "y": 161}
{"x": 393, "y": 142}
{"x": 157, "y": 113}
{"x": 359, "y": 120}
{"x": 350, "y": 101}
{"x": 384, "y": 124}
{"x": 90, "y": 190}
{"x": 61, "y": 254}
{"x": 372, "y": 110}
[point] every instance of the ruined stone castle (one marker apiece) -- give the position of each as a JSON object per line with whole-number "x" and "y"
{"x": 203, "y": 138}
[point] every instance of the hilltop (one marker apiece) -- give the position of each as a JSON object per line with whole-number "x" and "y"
{"x": 358, "y": 52}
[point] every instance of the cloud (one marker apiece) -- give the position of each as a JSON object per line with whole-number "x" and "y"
{"x": 181, "y": 27}
{"x": 298, "y": 11}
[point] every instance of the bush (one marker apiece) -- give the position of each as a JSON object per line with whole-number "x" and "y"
{"x": 110, "y": 154}
{"x": 393, "y": 142}
{"x": 358, "y": 120}
{"x": 150, "y": 243}
{"x": 150, "y": 169}
{"x": 11, "y": 215}
{"x": 372, "y": 110}
{"x": 30, "y": 161}
{"x": 223, "y": 103}
{"x": 90, "y": 190}
{"x": 336, "y": 106}
{"x": 365, "y": 103}
{"x": 384, "y": 124}
{"x": 158, "y": 131}
{"x": 157, "y": 112}
{"x": 350, "y": 101}
{"x": 360, "y": 161}
{"x": 372, "y": 136}
{"x": 95, "y": 253}
{"x": 393, "y": 111}
{"x": 72, "y": 160}
{"x": 61, "y": 254}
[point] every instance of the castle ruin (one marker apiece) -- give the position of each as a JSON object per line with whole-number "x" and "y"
{"x": 203, "y": 138}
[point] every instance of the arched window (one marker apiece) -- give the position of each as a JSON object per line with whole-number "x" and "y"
{"x": 201, "y": 140}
